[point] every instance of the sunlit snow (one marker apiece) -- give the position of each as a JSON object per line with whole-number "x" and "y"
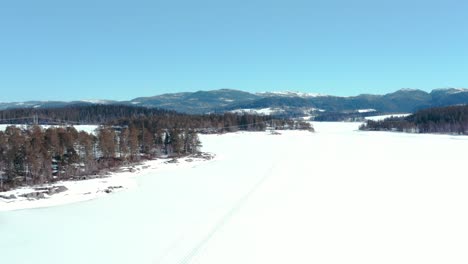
{"x": 262, "y": 111}
{"x": 382, "y": 117}
{"x": 366, "y": 110}
{"x": 335, "y": 196}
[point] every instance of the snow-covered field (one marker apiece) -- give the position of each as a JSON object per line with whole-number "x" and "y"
{"x": 366, "y": 110}
{"x": 262, "y": 111}
{"x": 382, "y": 117}
{"x": 334, "y": 196}
{"x": 84, "y": 190}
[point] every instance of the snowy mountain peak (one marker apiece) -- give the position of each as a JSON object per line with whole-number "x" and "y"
{"x": 289, "y": 94}
{"x": 408, "y": 90}
{"x": 451, "y": 90}
{"x": 96, "y": 101}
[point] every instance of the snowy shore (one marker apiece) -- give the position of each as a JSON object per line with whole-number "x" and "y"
{"x": 84, "y": 190}
{"x": 334, "y": 196}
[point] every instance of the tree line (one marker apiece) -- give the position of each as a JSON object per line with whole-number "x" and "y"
{"x": 35, "y": 155}
{"x": 451, "y": 120}
{"x": 79, "y": 114}
{"x": 344, "y": 116}
{"x": 123, "y": 114}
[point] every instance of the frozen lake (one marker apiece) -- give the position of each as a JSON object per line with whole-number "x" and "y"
{"x": 335, "y": 196}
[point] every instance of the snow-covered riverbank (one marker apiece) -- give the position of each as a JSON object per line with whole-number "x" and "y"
{"x": 335, "y": 196}
{"x": 84, "y": 190}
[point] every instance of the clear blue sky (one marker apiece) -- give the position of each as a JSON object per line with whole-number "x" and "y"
{"x": 66, "y": 50}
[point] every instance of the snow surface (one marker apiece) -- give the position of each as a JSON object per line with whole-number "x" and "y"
{"x": 459, "y": 90}
{"x": 290, "y": 94}
{"x": 382, "y": 117}
{"x": 409, "y": 90}
{"x": 263, "y": 111}
{"x": 366, "y": 110}
{"x": 335, "y": 196}
{"x": 96, "y": 101}
{"x": 84, "y": 190}
{"x": 78, "y": 191}
{"x": 452, "y": 90}
{"x": 270, "y": 110}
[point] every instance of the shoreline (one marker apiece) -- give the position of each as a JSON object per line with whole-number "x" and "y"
{"x": 84, "y": 190}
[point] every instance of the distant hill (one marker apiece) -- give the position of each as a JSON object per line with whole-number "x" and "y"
{"x": 451, "y": 96}
{"x": 196, "y": 102}
{"x": 279, "y": 103}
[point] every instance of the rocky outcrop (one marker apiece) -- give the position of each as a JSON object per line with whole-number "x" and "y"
{"x": 52, "y": 189}
{"x": 8, "y": 197}
{"x": 112, "y": 188}
{"x": 57, "y": 189}
{"x": 39, "y": 193}
{"x": 34, "y": 195}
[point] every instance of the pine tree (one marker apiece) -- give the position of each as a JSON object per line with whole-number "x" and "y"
{"x": 134, "y": 144}
{"x": 124, "y": 143}
{"x": 106, "y": 139}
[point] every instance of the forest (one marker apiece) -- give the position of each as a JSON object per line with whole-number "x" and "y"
{"x": 344, "y": 116}
{"x": 122, "y": 115}
{"x": 446, "y": 120}
{"x": 79, "y": 114}
{"x": 35, "y": 155}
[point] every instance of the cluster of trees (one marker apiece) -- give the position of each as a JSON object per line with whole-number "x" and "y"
{"x": 344, "y": 116}
{"x": 34, "y": 155}
{"x": 451, "y": 119}
{"x": 393, "y": 123}
{"x": 82, "y": 114}
{"x": 152, "y": 117}
{"x": 213, "y": 123}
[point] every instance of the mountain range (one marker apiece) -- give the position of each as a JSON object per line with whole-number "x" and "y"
{"x": 284, "y": 103}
